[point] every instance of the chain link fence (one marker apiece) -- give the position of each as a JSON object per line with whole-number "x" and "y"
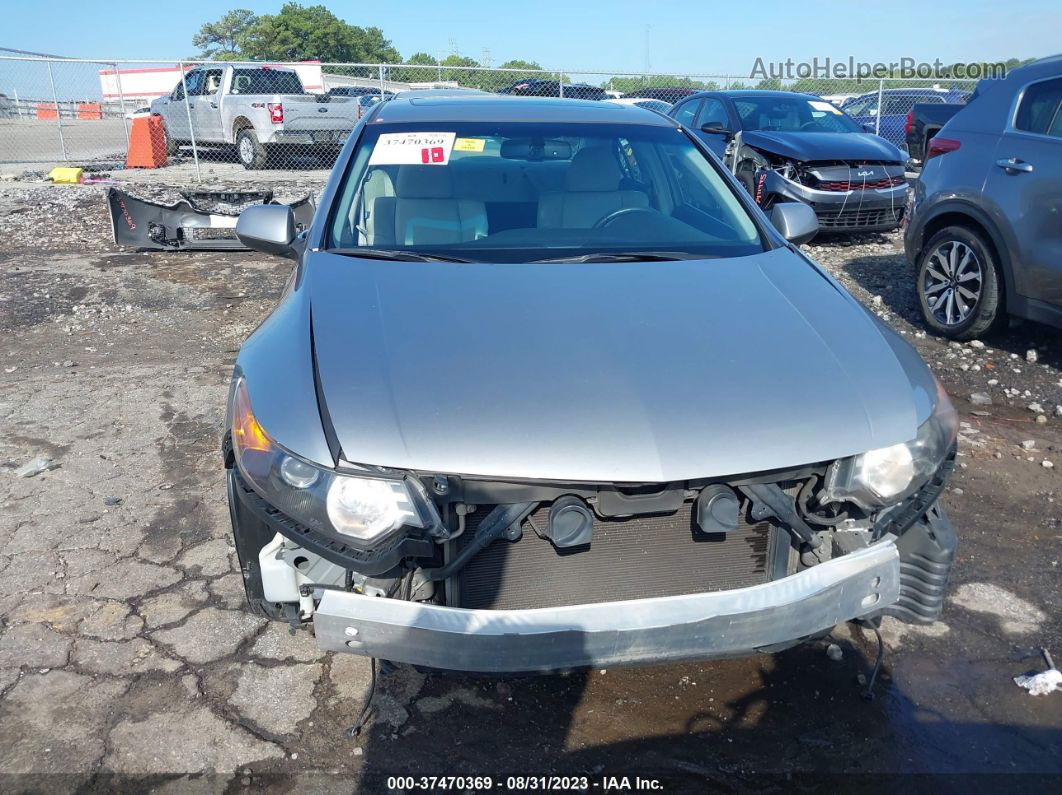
{"x": 194, "y": 120}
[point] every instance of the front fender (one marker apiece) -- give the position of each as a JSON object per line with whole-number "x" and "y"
{"x": 277, "y": 365}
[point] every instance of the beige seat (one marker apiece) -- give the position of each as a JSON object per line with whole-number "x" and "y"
{"x": 591, "y": 192}
{"x": 424, "y": 211}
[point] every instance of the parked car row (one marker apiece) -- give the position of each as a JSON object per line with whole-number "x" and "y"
{"x": 981, "y": 222}
{"x": 885, "y": 112}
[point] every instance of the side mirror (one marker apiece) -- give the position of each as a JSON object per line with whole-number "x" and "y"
{"x": 870, "y": 128}
{"x": 796, "y": 221}
{"x": 714, "y": 128}
{"x": 269, "y": 228}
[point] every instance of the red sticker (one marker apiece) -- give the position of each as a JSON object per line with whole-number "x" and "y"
{"x": 435, "y": 154}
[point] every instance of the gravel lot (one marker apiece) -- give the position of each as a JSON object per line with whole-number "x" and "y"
{"x": 125, "y": 650}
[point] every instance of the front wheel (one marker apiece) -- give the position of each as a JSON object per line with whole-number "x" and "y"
{"x": 959, "y": 286}
{"x": 251, "y": 153}
{"x": 172, "y": 147}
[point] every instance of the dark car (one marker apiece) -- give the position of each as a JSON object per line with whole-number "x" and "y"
{"x": 668, "y": 94}
{"x": 890, "y": 120}
{"x": 925, "y": 120}
{"x": 984, "y": 230}
{"x": 784, "y": 146}
{"x": 552, "y": 88}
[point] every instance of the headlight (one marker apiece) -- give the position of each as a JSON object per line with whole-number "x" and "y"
{"x": 885, "y": 476}
{"x": 364, "y": 510}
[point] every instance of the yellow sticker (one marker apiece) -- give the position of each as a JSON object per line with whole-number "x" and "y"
{"x": 469, "y": 144}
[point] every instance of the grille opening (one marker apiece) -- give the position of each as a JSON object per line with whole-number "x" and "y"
{"x": 630, "y": 558}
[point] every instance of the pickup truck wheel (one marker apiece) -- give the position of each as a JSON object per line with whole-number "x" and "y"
{"x": 251, "y": 153}
{"x": 172, "y": 147}
{"x": 959, "y": 285}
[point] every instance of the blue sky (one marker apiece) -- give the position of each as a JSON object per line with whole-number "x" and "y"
{"x": 609, "y": 35}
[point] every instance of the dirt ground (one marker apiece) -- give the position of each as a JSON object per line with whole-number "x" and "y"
{"x": 128, "y": 661}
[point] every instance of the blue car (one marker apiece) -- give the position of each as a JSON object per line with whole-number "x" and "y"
{"x": 896, "y": 104}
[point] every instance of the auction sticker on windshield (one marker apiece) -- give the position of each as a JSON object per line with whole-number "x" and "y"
{"x": 412, "y": 148}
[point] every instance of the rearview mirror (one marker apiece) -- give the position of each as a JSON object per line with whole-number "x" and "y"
{"x": 535, "y": 149}
{"x": 795, "y": 221}
{"x": 269, "y": 228}
{"x": 714, "y": 128}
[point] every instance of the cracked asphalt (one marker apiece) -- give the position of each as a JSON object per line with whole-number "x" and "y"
{"x": 127, "y": 660}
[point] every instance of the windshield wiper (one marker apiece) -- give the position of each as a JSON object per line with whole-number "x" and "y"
{"x": 628, "y": 256}
{"x": 394, "y": 254}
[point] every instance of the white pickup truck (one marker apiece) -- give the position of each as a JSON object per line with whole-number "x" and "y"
{"x": 262, "y": 110}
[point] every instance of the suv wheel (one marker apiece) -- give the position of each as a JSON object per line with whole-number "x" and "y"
{"x": 958, "y": 284}
{"x": 251, "y": 153}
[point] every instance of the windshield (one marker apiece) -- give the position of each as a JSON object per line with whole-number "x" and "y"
{"x": 265, "y": 81}
{"x": 523, "y": 192}
{"x": 792, "y": 114}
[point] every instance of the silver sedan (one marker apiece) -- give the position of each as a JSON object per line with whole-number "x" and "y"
{"x": 547, "y": 389}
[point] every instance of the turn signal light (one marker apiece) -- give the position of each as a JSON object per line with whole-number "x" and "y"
{"x": 247, "y": 434}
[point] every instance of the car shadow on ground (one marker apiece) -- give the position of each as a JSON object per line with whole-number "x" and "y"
{"x": 797, "y": 716}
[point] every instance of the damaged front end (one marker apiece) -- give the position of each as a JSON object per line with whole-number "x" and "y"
{"x": 846, "y": 195}
{"x": 200, "y": 221}
{"x": 497, "y": 576}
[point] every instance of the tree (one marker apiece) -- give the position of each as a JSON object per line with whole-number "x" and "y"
{"x": 222, "y": 40}
{"x": 300, "y": 33}
{"x": 518, "y": 64}
{"x": 422, "y": 59}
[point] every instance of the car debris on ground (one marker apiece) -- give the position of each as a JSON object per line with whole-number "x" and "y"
{"x": 1044, "y": 682}
{"x": 202, "y": 220}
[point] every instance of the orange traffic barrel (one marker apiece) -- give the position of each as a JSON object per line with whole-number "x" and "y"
{"x": 147, "y": 143}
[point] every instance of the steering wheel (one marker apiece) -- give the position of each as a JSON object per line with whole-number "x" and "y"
{"x": 811, "y": 125}
{"x": 605, "y": 220}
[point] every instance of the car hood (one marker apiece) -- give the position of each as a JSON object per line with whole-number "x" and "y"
{"x": 630, "y": 372}
{"x": 823, "y": 145}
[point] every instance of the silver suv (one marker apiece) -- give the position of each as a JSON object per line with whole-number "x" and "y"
{"x": 985, "y": 217}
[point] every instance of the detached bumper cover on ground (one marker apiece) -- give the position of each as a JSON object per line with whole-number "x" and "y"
{"x": 715, "y": 624}
{"x": 204, "y": 221}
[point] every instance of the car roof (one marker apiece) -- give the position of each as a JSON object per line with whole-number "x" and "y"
{"x": 1051, "y": 66}
{"x": 428, "y": 106}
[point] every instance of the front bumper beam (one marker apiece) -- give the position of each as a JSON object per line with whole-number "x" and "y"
{"x": 719, "y": 624}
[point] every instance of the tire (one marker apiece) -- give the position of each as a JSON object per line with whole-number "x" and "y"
{"x": 959, "y": 286}
{"x": 251, "y": 153}
{"x": 173, "y": 147}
